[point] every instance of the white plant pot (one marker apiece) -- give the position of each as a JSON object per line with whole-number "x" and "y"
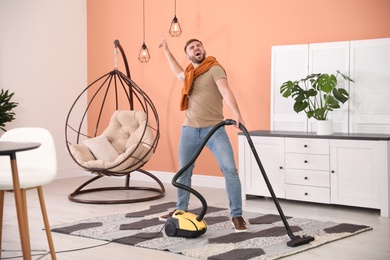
{"x": 324, "y": 127}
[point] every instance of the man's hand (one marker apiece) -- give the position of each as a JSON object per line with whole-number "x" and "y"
{"x": 239, "y": 121}
{"x": 164, "y": 44}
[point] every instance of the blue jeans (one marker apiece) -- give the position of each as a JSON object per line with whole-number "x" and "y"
{"x": 219, "y": 144}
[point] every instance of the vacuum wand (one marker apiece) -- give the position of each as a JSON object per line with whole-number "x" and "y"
{"x": 295, "y": 240}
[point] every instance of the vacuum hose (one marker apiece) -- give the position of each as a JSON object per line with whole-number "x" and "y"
{"x": 188, "y": 165}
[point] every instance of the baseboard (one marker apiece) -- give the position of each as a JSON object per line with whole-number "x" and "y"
{"x": 164, "y": 177}
{"x": 71, "y": 173}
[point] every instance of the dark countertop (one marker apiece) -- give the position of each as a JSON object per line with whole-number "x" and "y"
{"x": 296, "y": 134}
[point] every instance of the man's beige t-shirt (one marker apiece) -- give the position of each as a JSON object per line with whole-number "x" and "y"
{"x": 205, "y": 107}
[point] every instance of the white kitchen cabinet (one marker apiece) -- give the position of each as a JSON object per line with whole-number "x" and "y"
{"x": 271, "y": 154}
{"x": 307, "y": 169}
{"x": 344, "y": 169}
{"x": 356, "y": 170}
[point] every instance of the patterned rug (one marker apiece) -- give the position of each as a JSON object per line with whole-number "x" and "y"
{"x": 266, "y": 237}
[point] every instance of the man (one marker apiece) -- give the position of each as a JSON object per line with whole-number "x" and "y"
{"x": 205, "y": 88}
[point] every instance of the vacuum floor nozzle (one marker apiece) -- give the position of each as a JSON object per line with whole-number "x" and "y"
{"x": 298, "y": 240}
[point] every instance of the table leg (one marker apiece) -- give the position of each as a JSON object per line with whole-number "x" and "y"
{"x": 20, "y": 210}
{"x": 24, "y": 198}
{"x": 1, "y": 218}
{"x": 46, "y": 223}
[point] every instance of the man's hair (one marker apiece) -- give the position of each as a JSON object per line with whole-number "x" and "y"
{"x": 188, "y": 43}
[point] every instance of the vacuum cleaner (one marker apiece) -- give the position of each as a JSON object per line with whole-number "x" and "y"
{"x": 189, "y": 225}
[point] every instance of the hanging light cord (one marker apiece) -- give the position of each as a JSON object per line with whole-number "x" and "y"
{"x": 144, "y": 55}
{"x": 175, "y": 8}
{"x": 143, "y": 16}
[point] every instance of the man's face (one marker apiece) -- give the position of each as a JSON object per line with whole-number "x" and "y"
{"x": 195, "y": 52}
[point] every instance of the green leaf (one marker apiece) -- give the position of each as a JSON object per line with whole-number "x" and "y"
{"x": 286, "y": 88}
{"x": 345, "y": 76}
{"x": 332, "y": 81}
{"x": 341, "y": 95}
{"x": 309, "y": 114}
{"x": 319, "y": 113}
{"x": 326, "y": 83}
{"x": 311, "y": 93}
{"x": 6, "y": 108}
{"x": 332, "y": 102}
{"x": 300, "y": 106}
{"x": 297, "y": 92}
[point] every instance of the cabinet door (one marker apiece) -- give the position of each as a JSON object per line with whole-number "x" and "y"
{"x": 271, "y": 153}
{"x": 288, "y": 63}
{"x": 327, "y": 58}
{"x": 370, "y": 93}
{"x": 356, "y": 167}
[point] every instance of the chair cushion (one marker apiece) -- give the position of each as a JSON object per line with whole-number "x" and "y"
{"x": 129, "y": 134}
{"x": 101, "y": 148}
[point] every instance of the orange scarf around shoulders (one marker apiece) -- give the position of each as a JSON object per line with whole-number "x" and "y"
{"x": 190, "y": 74}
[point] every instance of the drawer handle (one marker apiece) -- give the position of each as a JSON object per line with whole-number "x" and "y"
{"x": 305, "y": 145}
{"x": 332, "y": 171}
{"x": 305, "y": 161}
{"x": 306, "y": 193}
{"x": 280, "y": 167}
{"x": 306, "y": 178}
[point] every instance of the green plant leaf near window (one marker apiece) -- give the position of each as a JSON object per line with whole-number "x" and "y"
{"x": 317, "y": 94}
{"x": 7, "y": 113}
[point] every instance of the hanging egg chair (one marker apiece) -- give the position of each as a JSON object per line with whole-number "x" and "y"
{"x": 115, "y": 135}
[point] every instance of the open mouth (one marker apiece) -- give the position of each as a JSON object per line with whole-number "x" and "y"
{"x": 197, "y": 54}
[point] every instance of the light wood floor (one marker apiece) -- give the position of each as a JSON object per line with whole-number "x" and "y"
{"x": 373, "y": 244}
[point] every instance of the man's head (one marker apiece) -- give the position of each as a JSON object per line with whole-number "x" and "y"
{"x": 189, "y": 42}
{"x": 194, "y": 51}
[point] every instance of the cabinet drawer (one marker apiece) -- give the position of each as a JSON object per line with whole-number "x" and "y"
{"x": 307, "y": 193}
{"x": 307, "y": 161}
{"x": 307, "y": 145}
{"x": 308, "y": 177}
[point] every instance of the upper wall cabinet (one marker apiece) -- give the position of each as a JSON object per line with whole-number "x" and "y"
{"x": 370, "y": 94}
{"x": 365, "y": 61}
{"x": 327, "y": 58}
{"x": 288, "y": 62}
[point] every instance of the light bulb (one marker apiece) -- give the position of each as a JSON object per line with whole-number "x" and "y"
{"x": 144, "y": 55}
{"x": 175, "y": 29}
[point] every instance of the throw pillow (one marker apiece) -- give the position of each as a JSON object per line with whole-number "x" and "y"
{"x": 101, "y": 148}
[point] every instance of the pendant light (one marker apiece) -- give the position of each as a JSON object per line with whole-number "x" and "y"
{"x": 175, "y": 29}
{"x": 143, "y": 55}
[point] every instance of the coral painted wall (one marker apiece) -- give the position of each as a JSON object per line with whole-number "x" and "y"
{"x": 238, "y": 33}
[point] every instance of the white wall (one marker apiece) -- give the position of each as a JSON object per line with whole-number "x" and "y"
{"x": 43, "y": 59}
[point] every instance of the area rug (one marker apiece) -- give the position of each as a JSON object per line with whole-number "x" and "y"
{"x": 266, "y": 237}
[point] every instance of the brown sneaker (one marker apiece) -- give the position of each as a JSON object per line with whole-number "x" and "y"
{"x": 239, "y": 224}
{"x": 164, "y": 217}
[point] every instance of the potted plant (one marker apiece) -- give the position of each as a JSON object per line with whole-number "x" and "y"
{"x": 316, "y": 95}
{"x": 6, "y": 108}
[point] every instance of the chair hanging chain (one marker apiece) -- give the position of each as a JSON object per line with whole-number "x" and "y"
{"x": 116, "y": 58}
